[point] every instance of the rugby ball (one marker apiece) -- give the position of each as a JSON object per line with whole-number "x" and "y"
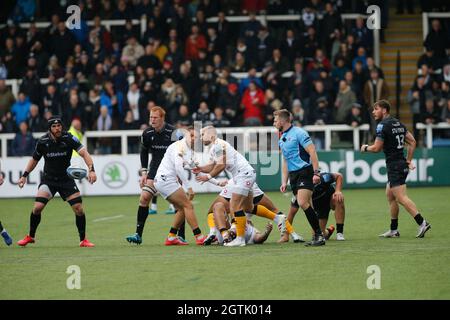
{"x": 76, "y": 173}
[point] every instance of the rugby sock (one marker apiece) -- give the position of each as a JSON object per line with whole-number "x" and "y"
{"x": 181, "y": 231}
{"x": 394, "y": 224}
{"x": 81, "y": 225}
{"x": 154, "y": 205}
{"x": 262, "y": 211}
{"x": 289, "y": 227}
{"x": 197, "y": 232}
{"x": 172, "y": 233}
{"x": 339, "y": 227}
{"x": 240, "y": 223}
{"x": 311, "y": 215}
{"x": 35, "y": 219}
{"x": 1, "y": 227}
{"x": 419, "y": 219}
{"x": 211, "y": 223}
{"x": 141, "y": 218}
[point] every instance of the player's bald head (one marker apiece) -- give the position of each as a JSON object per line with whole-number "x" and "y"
{"x": 208, "y": 135}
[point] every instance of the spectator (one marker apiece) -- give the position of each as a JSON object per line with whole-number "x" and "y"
{"x": 133, "y": 96}
{"x": 52, "y": 100}
{"x": 23, "y": 143}
{"x": 363, "y": 36}
{"x": 375, "y": 89}
{"x": 11, "y": 59}
{"x": 129, "y": 123}
{"x": 31, "y": 86}
{"x": 174, "y": 55}
{"x": 318, "y": 64}
{"x": 253, "y": 105}
{"x": 230, "y": 101}
{"x": 62, "y": 43}
{"x": 361, "y": 57}
{"x": 249, "y": 32}
{"x": 104, "y": 123}
{"x": 239, "y": 64}
{"x": 298, "y": 113}
{"x": 21, "y": 108}
{"x": 176, "y": 98}
{"x": 183, "y": 119}
{"x": 298, "y": 83}
{"x": 252, "y": 77}
{"x": 371, "y": 66}
{"x": 445, "y": 116}
{"x": 290, "y": 46}
{"x": 6, "y": 98}
{"x": 194, "y": 43}
{"x": 358, "y": 79}
{"x": 91, "y": 109}
{"x": 53, "y": 68}
{"x": 329, "y": 24}
{"x": 7, "y": 123}
{"x": 132, "y": 51}
{"x": 3, "y": 70}
{"x": 416, "y": 99}
{"x": 73, "y": 109}
{"x": 149, "y": 59}
{"x": 321, "y": 114}
{"x": 338, "y": 72}
{"x": 318, "y": 93}
{"x": 113, "y": 101}
{"x": 265, "y": 46}
{"x": 216, "y": 44}
{"x": 219, "y": 119}
{"x": 437, "y": 39}
{"x": 431, "y": 114}
{"x": 430, "y": 60}
{"x": 345, "y": 100}
{"x": 35, "y": 122}
{"x": 355, "y": 118}
{"x": 203, "y": 114}
{"x": 280, "y": 63}
{"x": 310, "y": 44}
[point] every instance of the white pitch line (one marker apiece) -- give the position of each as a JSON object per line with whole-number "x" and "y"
{"x": 108, "y": 218}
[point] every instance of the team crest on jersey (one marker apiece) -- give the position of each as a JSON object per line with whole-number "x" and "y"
{"x": 379, "y": 128}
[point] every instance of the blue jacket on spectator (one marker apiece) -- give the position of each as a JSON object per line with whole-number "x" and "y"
{"x": 243, "y": 85}
{"x": 105, "y": 100}
{"x": 20, "y": 110}
{"x": 23, "y": 145}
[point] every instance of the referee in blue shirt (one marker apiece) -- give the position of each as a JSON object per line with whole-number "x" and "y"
{"x": 301, "y": 164}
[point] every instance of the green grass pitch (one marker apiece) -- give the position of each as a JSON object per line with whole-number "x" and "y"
{"x": 410, "y": 268}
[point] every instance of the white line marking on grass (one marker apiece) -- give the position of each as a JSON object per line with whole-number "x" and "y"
{"x": 108, "y": 218}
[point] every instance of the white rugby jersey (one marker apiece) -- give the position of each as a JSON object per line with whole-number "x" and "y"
{"x": 177, "y": 158}
{"x": 235, "y": 162}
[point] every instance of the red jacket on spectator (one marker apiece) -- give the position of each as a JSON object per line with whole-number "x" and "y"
{"x": 253, "y": 104}
{"x": 193, "y": 44}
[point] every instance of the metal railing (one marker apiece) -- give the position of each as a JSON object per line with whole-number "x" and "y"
{"x": 429, "y": 131}
{"x": 247, "y": 134}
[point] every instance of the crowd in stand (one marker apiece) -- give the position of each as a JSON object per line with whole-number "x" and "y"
{"x": 186, "y": 65}
{"x": 429, "y": 96}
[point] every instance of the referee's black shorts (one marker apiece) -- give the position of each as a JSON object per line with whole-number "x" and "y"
{"x": 397, "y": 172}
{"x": 302, "y": 179}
